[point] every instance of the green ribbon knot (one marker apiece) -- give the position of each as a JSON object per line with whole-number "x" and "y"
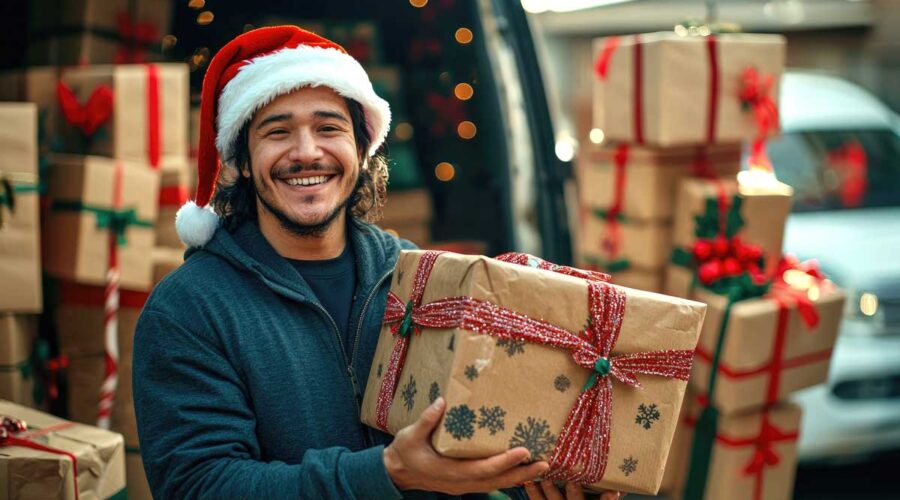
{"x": 601, "y": 369}
{"x": 116, "y": 221}
{"x": 406, "y": 326}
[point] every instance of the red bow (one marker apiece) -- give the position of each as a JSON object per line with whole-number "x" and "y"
{"x": 765, "y": 455}
{"x": 135, "y": 36}
{"x": 10, "y": 426}
{"x": 756, "y": 93}
{"x": 784, "y": 290}
{"x": 93, "y": 114}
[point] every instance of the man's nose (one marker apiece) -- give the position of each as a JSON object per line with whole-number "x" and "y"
{"x": 305, "y": 148}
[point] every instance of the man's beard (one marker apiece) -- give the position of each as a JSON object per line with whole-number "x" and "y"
{"x": 299, "y": 229}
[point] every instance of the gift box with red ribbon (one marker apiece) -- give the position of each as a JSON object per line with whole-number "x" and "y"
{"x": 174, "y": 191}
{"x": 65, "y": 32}
{"x": 43, "y": 456}
{"x": 667, "y": 89}
{"x": 131, "y": 112}
{"x": 751, "y": 456}
{"x": 20, "y": 258}
{"x": 585, "y": 374}
{"x": 80, "y": 323}
{"x": 17, "y": 377}
{"x": 100, "y": 210}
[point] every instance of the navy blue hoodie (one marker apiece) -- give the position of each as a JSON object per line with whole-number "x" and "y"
{"x": 241, "y": 386}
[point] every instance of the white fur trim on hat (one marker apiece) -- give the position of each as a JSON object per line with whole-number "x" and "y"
{"x": 195, "y": 225}
{"x": 264, "y": 78}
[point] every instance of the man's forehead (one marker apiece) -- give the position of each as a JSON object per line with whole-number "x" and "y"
{"x": 305, "y": 102}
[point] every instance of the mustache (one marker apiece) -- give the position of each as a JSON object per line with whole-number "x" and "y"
{"x": 327, "y": 168}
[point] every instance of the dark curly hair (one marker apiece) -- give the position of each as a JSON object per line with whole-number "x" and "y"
{"x": 235, "y": 196}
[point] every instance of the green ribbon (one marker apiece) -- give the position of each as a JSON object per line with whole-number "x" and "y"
{"x": 23, "y": 367}
{"x": 406, "y": 325}
{"x": 604, "y": 214}
{"x": 9, "y": 189}
{"x": 116, "y": 221}
{"x": 601, "y": 369}
{"x": 613, "y": 266}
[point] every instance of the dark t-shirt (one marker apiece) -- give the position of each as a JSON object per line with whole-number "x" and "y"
{"x": 334, "y": 283}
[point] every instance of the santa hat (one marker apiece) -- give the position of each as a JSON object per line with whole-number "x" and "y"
{"x": 247, "y": 74}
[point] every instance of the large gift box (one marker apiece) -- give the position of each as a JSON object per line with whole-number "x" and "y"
{"x": 752, "y": 456}
{"x": 20, "y": 264}
{"x": 619, "y": 244}
{"x": 73, "y": 32}
{"x": 17, "y": 334}
{"x": 722, "y": 225}
{"x": 641, "y": 182}
{"x": 45, "y": 457}
{"x": 665, "y": 89}
{"x": 130, "y": 111}
{"x": 587, "y": 375}
{"x": 80, "y": 323}
{"x": 95, "y": 201}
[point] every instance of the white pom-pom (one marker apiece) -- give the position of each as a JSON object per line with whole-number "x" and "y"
{"x": 195, "y": 225}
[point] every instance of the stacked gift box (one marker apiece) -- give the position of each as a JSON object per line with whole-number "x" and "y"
{"x": 670, "y": 206}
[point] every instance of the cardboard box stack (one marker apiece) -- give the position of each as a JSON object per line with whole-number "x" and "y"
{"x": 669, "y": 206}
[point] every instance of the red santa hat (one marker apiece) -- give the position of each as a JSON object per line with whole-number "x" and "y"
{"x": 247, "y": 74}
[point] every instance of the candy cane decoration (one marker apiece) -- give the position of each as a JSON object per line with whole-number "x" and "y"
{"x": 111, "y": 312}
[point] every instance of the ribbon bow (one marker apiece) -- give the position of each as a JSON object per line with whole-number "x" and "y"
{"x": 583, "y": 445}
{"x": 117, "y": 221}
{"x": 95, "y": 112}
{"x": 135, "y": 36}
{"x": 765, "y": 454}
{"x": 10, "y": 426}
{"x": 793, "y": 281}
{"x": 756, "y": 94}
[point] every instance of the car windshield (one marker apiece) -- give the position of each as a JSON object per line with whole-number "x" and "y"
{"x": 835, "y": 170}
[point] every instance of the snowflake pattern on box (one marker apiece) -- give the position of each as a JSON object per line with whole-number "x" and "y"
{"x": 628, "y": 466}
{"x": 512, "y": 346}
{"x": 408, "y": 395}
{"x": 452, "y": 341}
{"x": 562, "y": 383}
{"x": 380, "y": 369}
{"x": 433, "y": 392}
{"x": 492, "y": 419}
{"x": 646, "y": 415}
{"x": 535, "y": 435}
{"x": 460, "y": 422}
{"x": 471, "y": 372}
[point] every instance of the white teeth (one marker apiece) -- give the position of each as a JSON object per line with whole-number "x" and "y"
{"x": 307, "y": 181}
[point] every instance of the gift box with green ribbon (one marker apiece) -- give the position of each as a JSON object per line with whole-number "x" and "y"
{"x": 585, "y": 374}
{"x": 17, "y": 377}
{"x": 20, "y": 259}
{"x": 94, "y": 200}
{"x": 42, "y": 456}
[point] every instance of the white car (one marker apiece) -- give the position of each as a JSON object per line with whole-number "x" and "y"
{"x": 840, "y": 151}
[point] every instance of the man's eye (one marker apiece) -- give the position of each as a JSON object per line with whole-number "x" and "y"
{"x": 329, "y": 128}
{"x": 277, "y": 131}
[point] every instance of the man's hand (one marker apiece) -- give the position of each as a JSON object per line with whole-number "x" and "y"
{"x": 546, "y": 490}
{"x": 413, "y": 464}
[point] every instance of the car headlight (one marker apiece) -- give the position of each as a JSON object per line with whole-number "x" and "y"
{"x": 864, "y": 313}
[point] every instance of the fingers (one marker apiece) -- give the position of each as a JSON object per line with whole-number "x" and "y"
{"x": 494, "y": 466}
{"x": 428, "y": 420}
{"x": 534, "y": 491}
{"x": 612, "y": 495}
{"x": 551, "y": 492}
{"x": 515, "y": 476}
{"x": 574, "y": 492}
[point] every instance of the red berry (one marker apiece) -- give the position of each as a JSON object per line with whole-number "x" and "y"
{"x": 732, "y": 267}
{"x": 702, "y": 250}
{"x": 710, "y": 271}
{"x": 720, "y": 246}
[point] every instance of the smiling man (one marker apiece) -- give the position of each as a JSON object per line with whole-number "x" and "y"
{"x": 250, "y": 359}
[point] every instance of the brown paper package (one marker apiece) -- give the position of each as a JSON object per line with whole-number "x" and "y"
{"x": 32, "y": 474}
{"x": 726, "y": 478}
{"x": 645, "y": 245}
{"x": 38, "y": 86}
{"x": 81, "y": 340}
{"x": 748, "y": 346}
{"x": 20, "y": 256}
{"x": 406, "y": 207}
{"x": 176, "y": 175}
{"x": 652, "y": 176}
{"x": 17, "y": 333}
{"x": 125, "y": 135}
{"x": 532, "y": 386}
{"x": 676, "y": 84}
{"x": 764, "y": 209}
{"x": 75, "y": 248}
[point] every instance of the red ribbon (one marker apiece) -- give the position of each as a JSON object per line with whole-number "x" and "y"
{"x": 12, "y": 426}
{"x": 612, "y": 239}
{"x": 756, "y": 92}
{"x": 78, "y": 295}
{"x": 135, "y": 36}
{"x": 154, "y": 123}
{"x": 95, "y": 112}
{"x": 583, "y": 445}
{"x": 712, "y": 116}
{"x": 173, "y": 196}
{"x": 609, "y": 48}
{"x": 850, "y": 160}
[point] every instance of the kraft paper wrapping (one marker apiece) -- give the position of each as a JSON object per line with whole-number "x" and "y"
{"x": 80, "y": 330}
{"x": 645, "y": 245}
{"x": 166, "y": 235}
{"x": 17, "y": 332}
{"x": 651, "y": 180}
{"x": 765, "y": 208}
{"x": 38, "y": 86}
{"x": 20, "y": 256}
{"x": 126, "y": 134}
{"x": 676, "y": 86}
{"x": 32, "y": 474}
{"x": 748, "y": 348}
{"x": 507, "y": 393}
{"x": 76, "y": 248}
{"x": 726, "y": 478}
{"x": 405, "y": 207}
{"x": 649, "y": 281}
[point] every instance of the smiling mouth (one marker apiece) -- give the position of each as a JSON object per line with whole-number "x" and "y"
{"x": 308, "y": 181}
